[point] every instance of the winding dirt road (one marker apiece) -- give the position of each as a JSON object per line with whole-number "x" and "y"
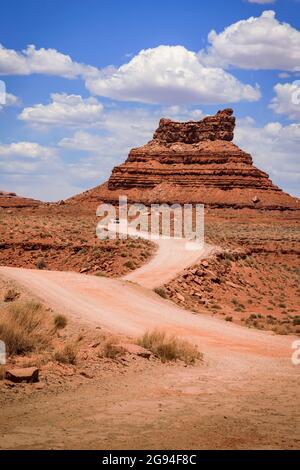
{"x": 126, "y": 308}
{"x": 246, "y": 395}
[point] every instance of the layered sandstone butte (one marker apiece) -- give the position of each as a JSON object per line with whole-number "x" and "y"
{"x": 194, "y": 162}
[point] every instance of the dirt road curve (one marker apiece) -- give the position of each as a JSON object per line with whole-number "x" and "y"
{"x": 123, "y": 307}
{"x": 246, "y": 395}
{"x": 171, "y": 258}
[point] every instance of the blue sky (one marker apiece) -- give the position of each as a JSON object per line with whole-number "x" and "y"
{"x": 83, "y": 93}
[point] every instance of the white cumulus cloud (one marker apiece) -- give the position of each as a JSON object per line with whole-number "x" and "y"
{"x": 287, "y": 99}
{"x": 27, "y": 150}
{"x": 256, "y": 43}
{"x": 64, "y": 110}
{"x": 41, "y": 61}
{"x": 170, "y": 75}
{"x": 275, "y": 149}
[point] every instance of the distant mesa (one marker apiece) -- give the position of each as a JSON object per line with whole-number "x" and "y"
{"x": 7, "y": 194}
{"x": 193, "y": 162}
{"x": 11, "y": 200}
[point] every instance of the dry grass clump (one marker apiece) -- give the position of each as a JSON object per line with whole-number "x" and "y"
{"x": 24, "y": 328}
{"x": 161, "y": 291}
{"x": 130, "y": 265}
{"x": 60, "y": 322}
{"x": 41, "y": 264}
{"x": 11, "y": 295}
{"x": 169, "y": 348}
{"x": 111, "y": 349}
{"x": 67, "y": 354}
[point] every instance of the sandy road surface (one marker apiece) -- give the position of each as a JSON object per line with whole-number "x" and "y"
{"x": 172, "y": 256}
{"x": 123, "y": 307}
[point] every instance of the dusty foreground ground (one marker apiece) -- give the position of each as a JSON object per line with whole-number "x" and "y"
{"x": 231, "y": 402}
{"x": 244, "y": 395}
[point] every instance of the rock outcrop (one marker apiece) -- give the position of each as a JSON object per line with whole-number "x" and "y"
{"x": 218, "y": 127}
{"x": 11, "y": 200}
{"x": 194, "y": 162}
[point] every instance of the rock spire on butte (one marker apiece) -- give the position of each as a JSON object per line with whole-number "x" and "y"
{"x": 194, "y": 162}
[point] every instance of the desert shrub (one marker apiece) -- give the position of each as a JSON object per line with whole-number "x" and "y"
{"x": 67, "y": 354}
{"x": 228, "y": 318}
{"x": 23, "y": 328}
{"x": 216, "y": 306}
{"x": 100, "y": 274}
{"x": 281, "y": 330}
{"x": 111, "y": 349}
{"x": 169, "y": 348}
{"x": 129, "y": 264}
{"x": 41, "y": 264}
{"x": 161, "y": 291}
{"x": 60, "y": 322}
{"x": 11, "y": 295}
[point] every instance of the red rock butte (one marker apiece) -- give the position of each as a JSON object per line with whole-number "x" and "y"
{"x": 194, "y": 162}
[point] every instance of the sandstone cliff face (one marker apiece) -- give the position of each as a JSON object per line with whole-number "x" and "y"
{"x": 195, "y": 162}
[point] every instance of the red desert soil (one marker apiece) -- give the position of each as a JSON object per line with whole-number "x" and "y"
{"x": 62, "y": 237}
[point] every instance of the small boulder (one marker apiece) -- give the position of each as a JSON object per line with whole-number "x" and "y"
{"x": 197, "y": 294}
{"x": 136, "y": 350}
{"x": 180, "y": 297}
{"x": 84, "y": 270}
{"x": 205, "y": 263}
{"x": 27, "y": 374}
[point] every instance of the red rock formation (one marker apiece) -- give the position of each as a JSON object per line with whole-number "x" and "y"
{"x": 194, "y": 162}
{"x": 10, "y": 200}
{"x": 218, "y": 127}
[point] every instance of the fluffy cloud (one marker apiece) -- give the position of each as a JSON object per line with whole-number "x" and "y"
{"x": 275, "y": 149}
{"x": 64, "y": 110}
{"x": 10, "y": 100}
{"x": 255, "y": 43}
{"x": 42, "y": 61}
{"x": 82, "y": 141}
{"x": 27, "y": 150}
{"x": 287, "y": 99}
{"x": 163, "y": 75}
{"x": 170, "y": 75}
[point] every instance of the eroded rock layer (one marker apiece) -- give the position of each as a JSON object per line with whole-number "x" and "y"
{"x": 195, "y": 162}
